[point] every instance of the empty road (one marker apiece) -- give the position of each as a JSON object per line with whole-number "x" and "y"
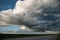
{"x": 48, "y": 37}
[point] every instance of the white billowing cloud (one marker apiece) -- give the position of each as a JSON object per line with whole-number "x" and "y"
{"x": 4, "y": 16}
{"x": 6, "y": 11}
{"x": 31, "y": 12}
{"x": 31, "y": 5}
{"x": 24, "y": 28}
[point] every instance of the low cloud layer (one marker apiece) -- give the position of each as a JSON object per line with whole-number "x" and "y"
{"x": 34, "y": 14}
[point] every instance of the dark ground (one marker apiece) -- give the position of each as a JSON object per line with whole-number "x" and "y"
{"x": 29, "y": 37}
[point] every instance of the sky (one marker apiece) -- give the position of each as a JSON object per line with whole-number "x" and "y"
{"x": 31, "y": 13}
{"x": 5, "y": 5}
{"x": 9, "y": 28}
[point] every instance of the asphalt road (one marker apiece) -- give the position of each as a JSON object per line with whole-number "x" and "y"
{"x": 49, "y": 37}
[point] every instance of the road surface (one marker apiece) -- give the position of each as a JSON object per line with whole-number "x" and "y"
{"x": 49, "y": 37}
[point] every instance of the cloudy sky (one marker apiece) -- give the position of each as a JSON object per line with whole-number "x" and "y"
{"x": 31, "y": 13}
{"x": 5, "y": 5}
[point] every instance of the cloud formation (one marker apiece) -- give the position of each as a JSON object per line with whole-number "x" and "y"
{"x": 33, "y": 14}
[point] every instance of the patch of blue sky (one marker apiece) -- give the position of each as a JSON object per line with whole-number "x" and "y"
{"x": 7, "y": 4}
{"x": 9, "y": 28}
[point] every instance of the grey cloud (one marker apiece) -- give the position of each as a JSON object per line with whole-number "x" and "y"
{"x": 36, "y": 13}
